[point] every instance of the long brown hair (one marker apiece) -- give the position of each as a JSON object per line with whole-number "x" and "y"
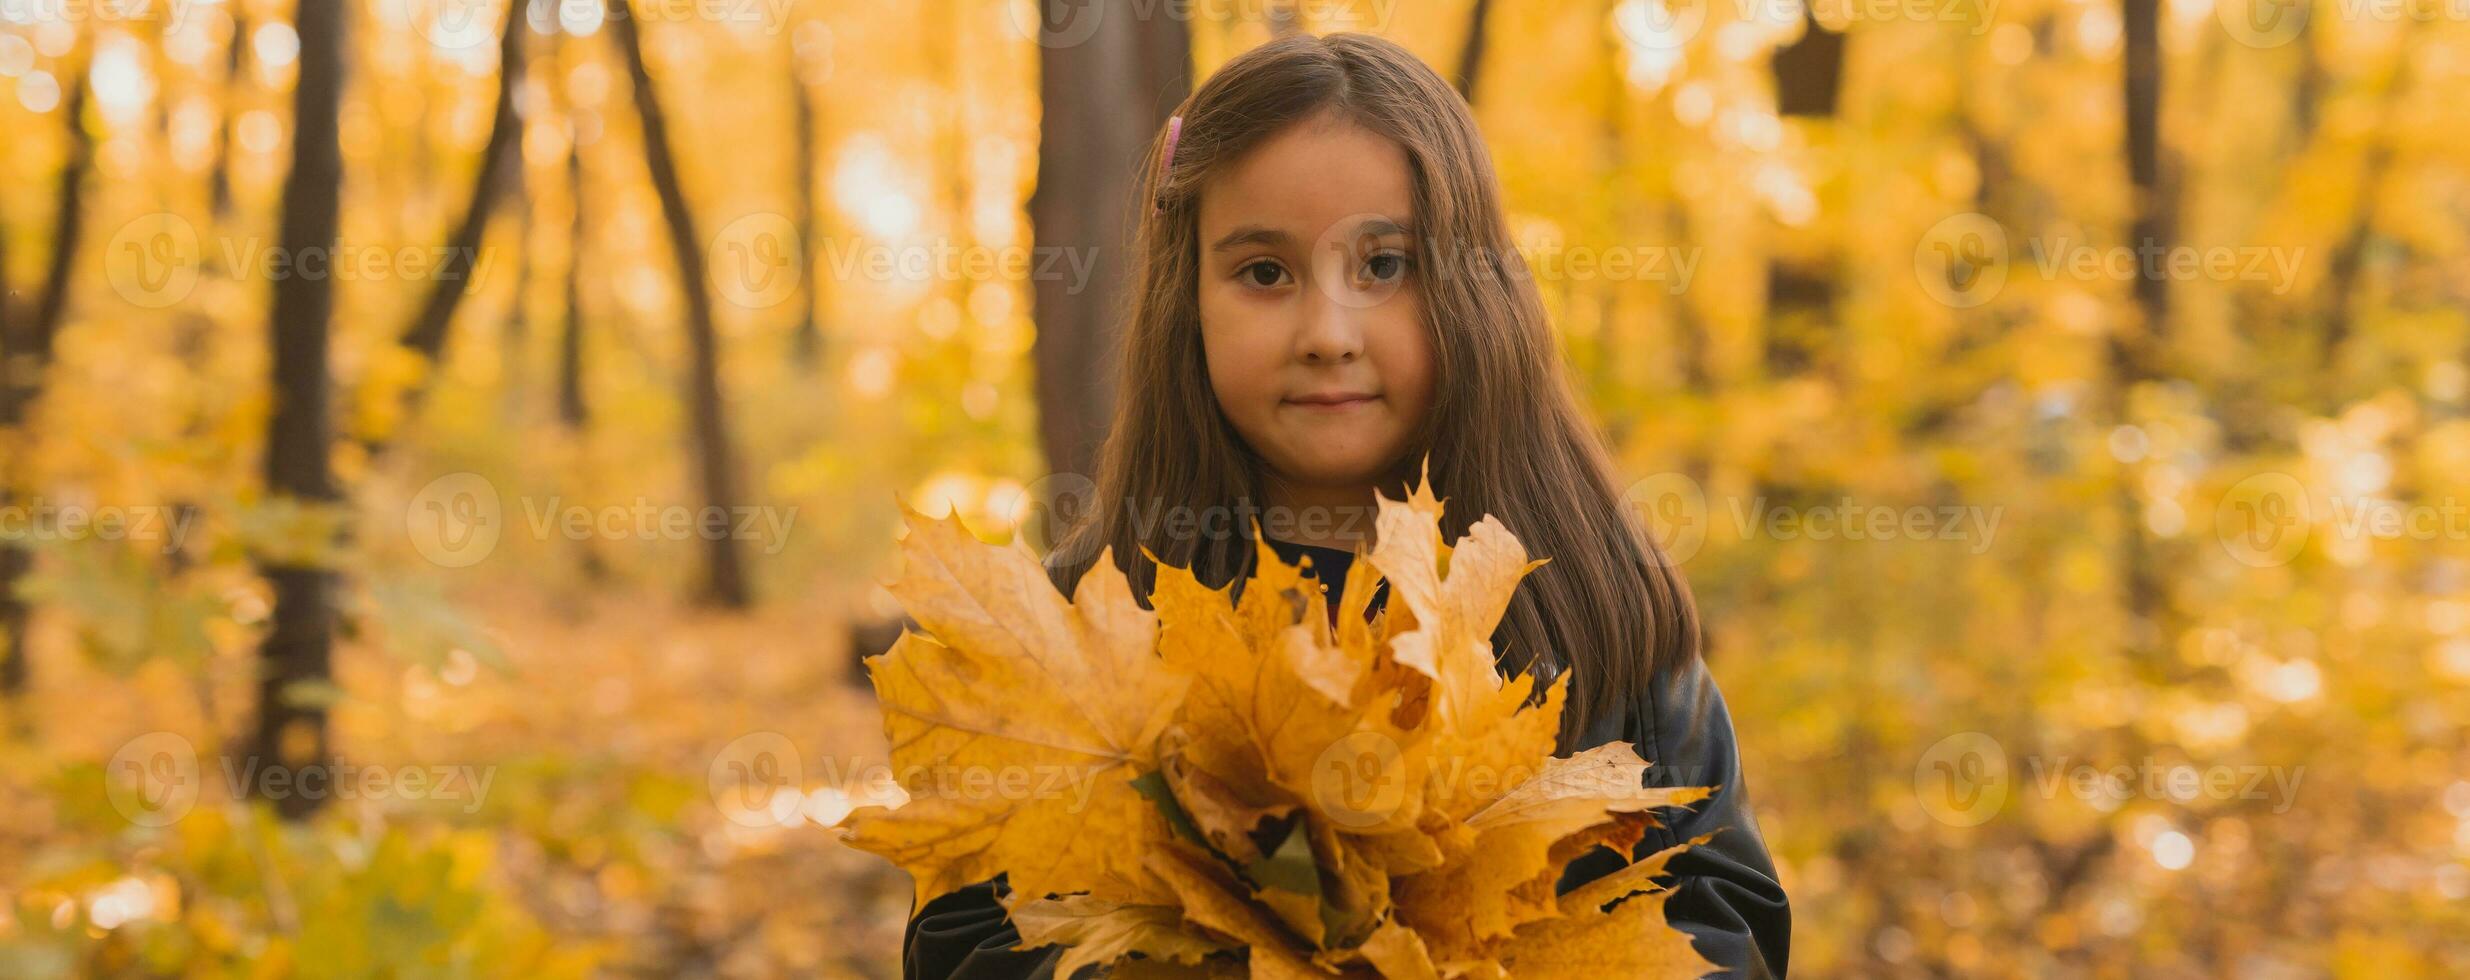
{"x": 1505, "y": 436}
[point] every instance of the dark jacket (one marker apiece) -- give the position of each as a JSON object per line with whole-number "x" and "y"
{"x": 1725, "y": 892}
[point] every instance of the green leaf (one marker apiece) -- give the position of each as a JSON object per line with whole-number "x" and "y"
{"x": 1153, "y": 785}
{"x": 1290, "y": 865}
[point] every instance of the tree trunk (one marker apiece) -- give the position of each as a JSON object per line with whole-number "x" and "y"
{"x": 1809, "y": 72}
{"x": 1801, "y": 293}
{"x": 515, "y": 337}
{"x": 25, "y": 357}
{"x": 1104, "y": 99}
{"x": 2135, "y": 349}
{"x": 2151, "y": 228}
{"x": 724, "y": 579}
{"x": 14, "y": 561}
{"x": 1471, "y": 55}
{"x": 291, "y": 729}
{"x": 500, "y": 159}
{"x": 2349, "y": 254}
{"x": 572, "y": 410}
{"x": 806, "y": 344}
{"x": 219, "y": 179}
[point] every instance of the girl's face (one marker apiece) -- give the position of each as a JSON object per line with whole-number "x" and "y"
{"x": 1310, "y": 319}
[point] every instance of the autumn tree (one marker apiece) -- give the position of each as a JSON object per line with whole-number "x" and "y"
{"x": 501, "y": 163}
{"x": 26, "y": 345}
{"x": 724, "y": 581}
{"x": 295, "y": 656}
{"x": 1105, "y": 97}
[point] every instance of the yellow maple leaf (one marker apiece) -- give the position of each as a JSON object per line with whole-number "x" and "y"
{"x": 1011, "y": 679}
{"x": 1097, "y": 930}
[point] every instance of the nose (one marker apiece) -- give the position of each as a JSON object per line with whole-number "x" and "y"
{"x": 1332, "y": 331}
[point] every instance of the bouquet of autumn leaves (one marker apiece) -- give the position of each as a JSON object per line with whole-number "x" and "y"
{"x": 1257, "y": 789}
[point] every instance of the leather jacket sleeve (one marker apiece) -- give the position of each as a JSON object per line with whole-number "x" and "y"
{"x": 1725, "y": 892}
{"x": 965, "y": 935}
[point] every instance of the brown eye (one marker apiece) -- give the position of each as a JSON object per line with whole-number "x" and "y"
{"x": 1264, "y": 274}
{"x": 1386, "y": 267}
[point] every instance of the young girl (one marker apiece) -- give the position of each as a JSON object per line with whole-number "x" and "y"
{"x": 1328, "y": 298}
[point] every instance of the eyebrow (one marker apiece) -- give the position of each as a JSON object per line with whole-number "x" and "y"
{"x": 1251, "y": 235}
{"x": 1256, "y": 235}
{"x": 1382, "y": 227}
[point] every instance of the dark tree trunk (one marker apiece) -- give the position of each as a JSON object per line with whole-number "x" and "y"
{"x": 725, "y": 580}
{"x": 500, "y": 160}
{"x": 806, "y": 344}
{"x": 2135, "y": 348}
{"x": 1104, "y": 98}
{"x": 2350, "y": 253}
{"x": 2151, "y": 228}
{"x": 14, "y": 562}
{"x": 25, "y": 357}
{"x": 572, "y": 410}
{"x": 518, "y": 330}
{"x": 291, "y": 728}
{"x": 219, "y": 179}
{"x": 1809, "y": 72}
{"x": 1471, "y": 54}
{"x": 1809, "y": 75}
{"x": 1604, "y": 382}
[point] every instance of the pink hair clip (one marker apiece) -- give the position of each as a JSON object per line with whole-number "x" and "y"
{"x": 1166, "y": 161}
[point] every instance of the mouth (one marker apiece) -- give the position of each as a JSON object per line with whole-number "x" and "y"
{"x": 1332, "y": 401}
